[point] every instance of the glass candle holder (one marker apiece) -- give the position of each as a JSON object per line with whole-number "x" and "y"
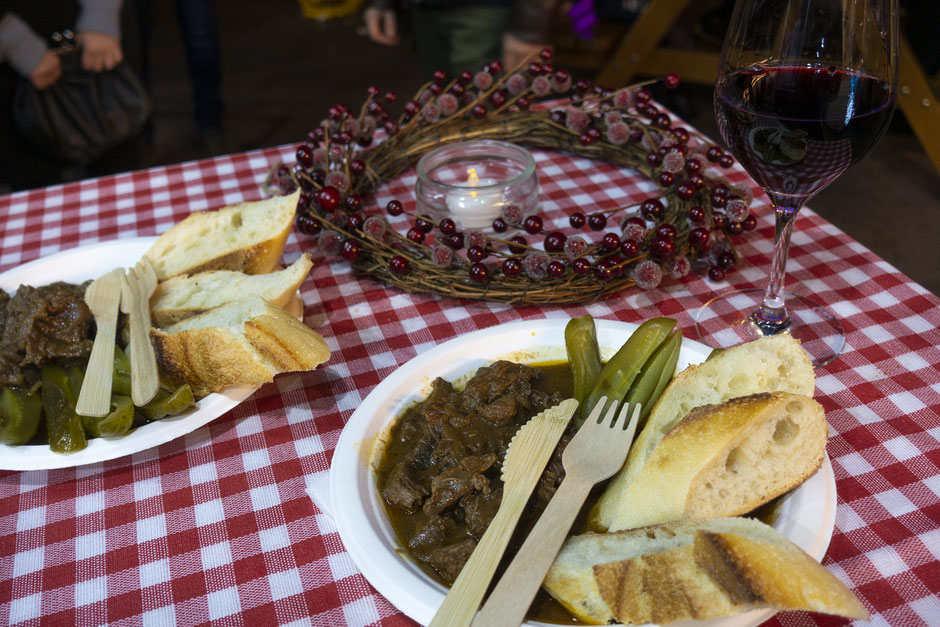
{"x": 471, "y": 182}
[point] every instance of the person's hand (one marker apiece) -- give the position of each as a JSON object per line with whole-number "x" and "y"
{"x": 381, "y": 25}
{"x": 516, "y": 50}
{"x": 100, "y": 52}
{"x": 47, "y": 72}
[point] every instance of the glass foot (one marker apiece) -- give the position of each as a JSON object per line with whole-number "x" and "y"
{"x": 726, "y": 321}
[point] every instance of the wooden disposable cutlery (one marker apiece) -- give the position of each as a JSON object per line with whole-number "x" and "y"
{"x": 136, "y": 288}
{"x": 526, "y": 457}
{"x": 595, "y": 453}
{"x": 103, "y": 298}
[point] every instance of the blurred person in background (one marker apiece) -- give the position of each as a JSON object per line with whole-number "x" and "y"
{"x": 198, "y": 26}
{"x": 25, "y": 34}
{"x": 456, "y": 35}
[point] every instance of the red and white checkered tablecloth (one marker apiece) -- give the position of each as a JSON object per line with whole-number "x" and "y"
{"x": 217, "y": 527}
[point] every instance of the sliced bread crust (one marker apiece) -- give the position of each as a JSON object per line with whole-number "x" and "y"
{"x": 242, "y": 342}
{"x": 727, "y": 460}
{"x": 182, "y": 297}
{"x": 692, "y": 570}
{"x": 247, "y": 237}
{"x": 771, "y": 364}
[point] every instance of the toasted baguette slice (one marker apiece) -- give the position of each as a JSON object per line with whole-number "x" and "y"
{"x": 243, "y": 342}
{"x": 248, "y": 237}
{"x": 183, "y": 297}
{"x": 727, "y": 460}
{"x": 771, "y": 364}
{"x": 692, "y": 570}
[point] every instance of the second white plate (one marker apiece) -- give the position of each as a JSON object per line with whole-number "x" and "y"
{"x": 806, "y": 516}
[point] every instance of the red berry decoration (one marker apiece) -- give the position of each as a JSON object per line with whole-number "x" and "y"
{"x": 512, "y": 267}
{"x": 662, "y": 248}
{"x": 698, "y": 238}
{"x": 720, "y": 221}
{"x": 307, "y": 224}
{"x": 714, "y": 154}
{"x": 581, "y": 266}
{"x": 424, "y": 224}
{"x": 394, "y": 208}
{"x": 479, "y": 273}
{"x": 447, "y": 226}
{"x": 476, "y": 253}
{"x": 500, "y": 226}
{"x": 357, "y": 166}
{"x": 352, "y": 250}
{"x": 653, "y": 159}
{"x": 455, "y": 240}
{"x": 726, "y": 161}
{"x": 555, "y": 269}
{"x": 629, "y": 248}
{"x": 439, "y": 76}
{"x": 532, "y": 225}
{"x": 666, "y": 179}
{"x": 666, "y": 231}
{"x": 304, "y": 156}
{"x": 597, "y": 221}
{"x": 685, "y": 191}
{"x": 354, "y": 221}
{"x": 750, "y": 222}
{"x": 734, "y": 228}
{"x": 672, "y": 81}
{"x": 398, "y": 264}
{"x": 610, "y": 241}
{"x": 517, "y": 244}
{"x": 555, "y": 242}
{"x": 416, "y": 235}
{"x": 478, "y": 111}
{"x": 716, "y": 274}
{"x": 328, "y": 198}
{"x": 577, "y": 220}
{"x": 652, "y": 209}
{"x": 697, "y": 214}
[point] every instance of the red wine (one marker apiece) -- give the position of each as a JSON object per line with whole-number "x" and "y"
{"x": 795, "y": 129}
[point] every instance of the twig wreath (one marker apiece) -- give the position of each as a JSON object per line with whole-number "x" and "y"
{"x": 685, "y": 225}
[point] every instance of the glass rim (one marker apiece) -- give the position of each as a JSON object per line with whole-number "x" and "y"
{"x": 525, "y": 158}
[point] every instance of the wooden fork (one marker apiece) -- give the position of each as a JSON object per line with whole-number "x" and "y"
{"x": 526, "y": 457}
{"x": 136, "y": 288}
{"x": 595, "y": 453}
{"x": 102, "y": 297}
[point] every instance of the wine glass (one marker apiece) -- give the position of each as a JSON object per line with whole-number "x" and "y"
{"x": 805, "y": 88}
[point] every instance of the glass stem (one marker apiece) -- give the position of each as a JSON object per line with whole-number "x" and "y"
{"x": 772, "y": 316}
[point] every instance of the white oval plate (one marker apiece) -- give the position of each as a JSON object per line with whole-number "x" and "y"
{"x": 806, "y": 516}
{"x": 75, "y": 266}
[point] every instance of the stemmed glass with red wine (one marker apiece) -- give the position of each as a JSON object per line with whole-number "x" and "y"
{"x": 805, "y": 88}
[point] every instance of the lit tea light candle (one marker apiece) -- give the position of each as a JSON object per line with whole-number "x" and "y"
{"x": 466, "y": 202}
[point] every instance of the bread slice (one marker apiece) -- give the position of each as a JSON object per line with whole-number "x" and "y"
{"x": 692, "y": 570}
{"x": 727, "y": 460}
{"x": 243, "y": 342}
{"x": 183, "y": 297}
{"x": 771, "y": 364}
{"x": 248, "y": 237}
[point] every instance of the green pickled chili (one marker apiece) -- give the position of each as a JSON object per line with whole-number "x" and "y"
{"x": 64, "y": 427}
{"x": 169, "y": 404}
{"x": 617, "y": 375}
{"x": 117, "y": 422}
{"x": 121, "y": 377}
{"x": 655, "y": 375}
{"x": 584, "y": 355}
{"x": 76, "y": 376}
{"x": 20, "y": 412}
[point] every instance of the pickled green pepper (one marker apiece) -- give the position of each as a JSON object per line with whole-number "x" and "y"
{"x": 584, "y": 355}
{"x": 20, "y": 412}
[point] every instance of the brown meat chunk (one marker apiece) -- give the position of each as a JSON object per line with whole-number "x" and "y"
{"x": 402, "y": 490}
{"x": 479, "y": 510}
{"x": 455, "y": 483}
{"x": 45, "y": 323}
{"x": 449, "y": 560}
{"x": 432, "y": 533}
{"x": 500, "y": 379}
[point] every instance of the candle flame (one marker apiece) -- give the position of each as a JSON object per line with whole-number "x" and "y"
{"x": 472, "y": 180}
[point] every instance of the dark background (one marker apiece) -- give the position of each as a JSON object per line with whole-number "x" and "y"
{"x": 282, "y": 71}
